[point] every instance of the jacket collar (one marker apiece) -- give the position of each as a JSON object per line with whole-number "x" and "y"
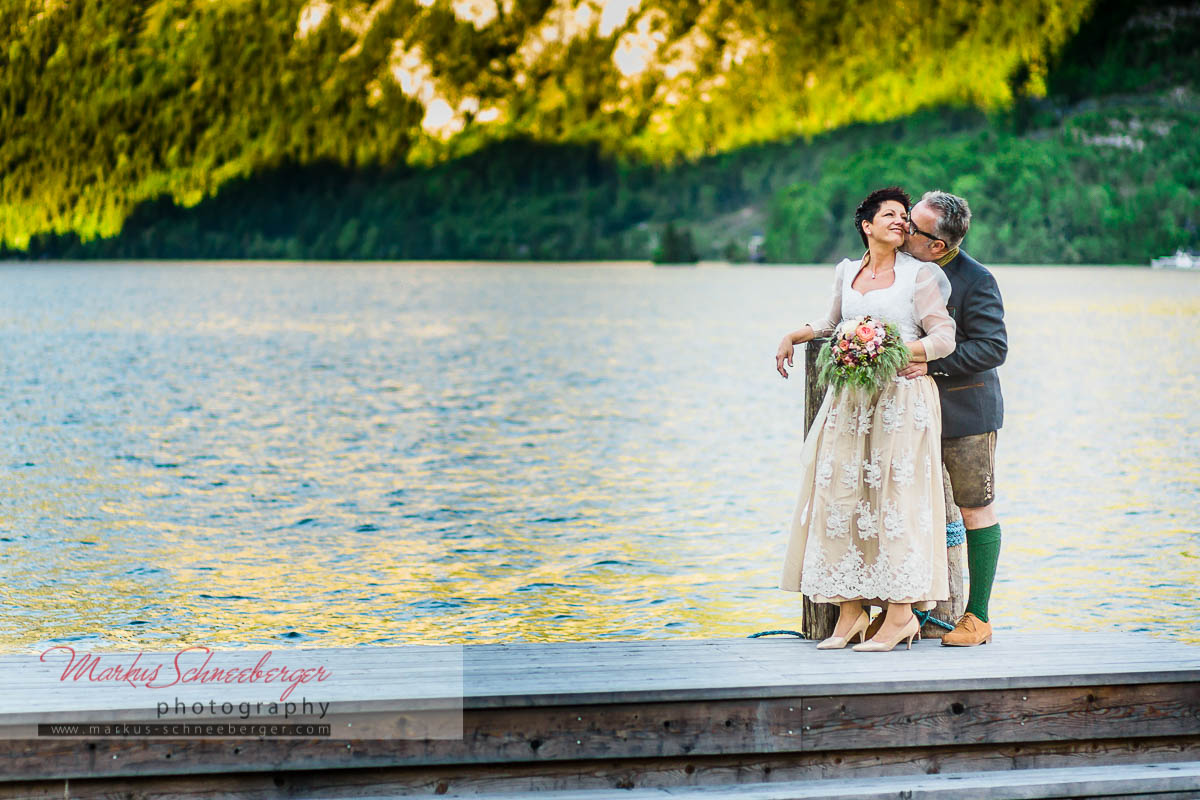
{"x": 946, "y": 259}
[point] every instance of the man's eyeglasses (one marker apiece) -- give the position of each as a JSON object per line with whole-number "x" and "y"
{"x": 912, "y": 228}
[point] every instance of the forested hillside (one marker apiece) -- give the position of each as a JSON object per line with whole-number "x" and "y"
{"x": 577, "y": 130}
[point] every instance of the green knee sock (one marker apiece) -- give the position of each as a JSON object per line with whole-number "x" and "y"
{"x": 983, "y": 553}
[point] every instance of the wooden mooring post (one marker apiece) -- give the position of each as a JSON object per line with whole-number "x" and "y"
{"x": 820, "y": 618}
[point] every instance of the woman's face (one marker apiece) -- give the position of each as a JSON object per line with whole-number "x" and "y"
{"x": 890, "y": 225}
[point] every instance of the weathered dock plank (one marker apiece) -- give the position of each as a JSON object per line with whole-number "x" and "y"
{"x": 1142, "y": 780}
{"x": 357, "y": 779}
{"x": 549, "y": 674}
{"x": 1012, "y": 715}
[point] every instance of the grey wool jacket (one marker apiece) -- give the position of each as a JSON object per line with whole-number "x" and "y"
{"x": 966, "y": 379}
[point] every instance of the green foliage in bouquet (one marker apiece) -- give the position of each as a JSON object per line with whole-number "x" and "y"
{"x": 869, "y": 372}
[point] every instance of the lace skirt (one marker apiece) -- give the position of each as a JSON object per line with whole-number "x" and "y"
{"x": 870, "y": 520}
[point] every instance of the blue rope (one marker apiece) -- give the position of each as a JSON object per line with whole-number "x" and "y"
{"x": 923, "y": 617}
{"x": 927, "y": 616}
{"x": 772, "y": 633}
{"x": 956, "y": 533}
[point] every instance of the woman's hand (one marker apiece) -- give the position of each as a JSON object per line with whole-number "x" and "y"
{"x": 916, "y": 352}
{"x": 785, "y": 352}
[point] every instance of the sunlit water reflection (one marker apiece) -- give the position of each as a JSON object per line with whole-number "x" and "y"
{"x": 266, "y": 455}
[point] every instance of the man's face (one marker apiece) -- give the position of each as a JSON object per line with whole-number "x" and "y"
{"x": 918, "y": 245}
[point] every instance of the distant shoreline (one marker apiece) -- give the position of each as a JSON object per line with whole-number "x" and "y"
{"x": 455, "y": 263}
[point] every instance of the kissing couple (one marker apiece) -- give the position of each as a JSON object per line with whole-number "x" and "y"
{"x": 870, "y": 524}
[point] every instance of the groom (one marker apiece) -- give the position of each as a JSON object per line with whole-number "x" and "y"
{"x": 972, "y": 407}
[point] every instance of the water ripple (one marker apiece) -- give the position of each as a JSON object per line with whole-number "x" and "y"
{"x": 304, "y": 455}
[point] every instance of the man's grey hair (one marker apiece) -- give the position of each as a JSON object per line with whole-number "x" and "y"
{"x": 954, "y": 216}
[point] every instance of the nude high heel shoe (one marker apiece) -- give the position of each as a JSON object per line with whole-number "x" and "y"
{"x": 911, "y": 628}
{"x": 857, "y": 629}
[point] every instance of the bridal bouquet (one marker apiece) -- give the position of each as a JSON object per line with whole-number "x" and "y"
{"x": 864, "y": 353}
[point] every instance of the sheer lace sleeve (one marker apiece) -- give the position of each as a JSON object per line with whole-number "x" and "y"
{"x": 929, "y": 306}
{"x": 825, "y": 325}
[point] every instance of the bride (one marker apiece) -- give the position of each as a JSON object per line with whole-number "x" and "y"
{"x": 869, "y": 523}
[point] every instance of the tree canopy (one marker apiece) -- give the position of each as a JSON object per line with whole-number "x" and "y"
{"x": 108, "y": 104}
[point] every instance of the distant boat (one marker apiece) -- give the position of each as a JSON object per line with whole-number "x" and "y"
{"x": 1181, "y": 260}
{"x": 755, "y": 248}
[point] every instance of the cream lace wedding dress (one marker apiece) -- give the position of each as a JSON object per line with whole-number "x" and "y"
{"x": 870, "y": 520}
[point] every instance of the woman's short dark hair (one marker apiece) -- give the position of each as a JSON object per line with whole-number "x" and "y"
{"x": 868, "y": 208}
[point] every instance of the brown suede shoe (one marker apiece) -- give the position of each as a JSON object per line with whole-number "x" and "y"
{"x": 969, "y": 631}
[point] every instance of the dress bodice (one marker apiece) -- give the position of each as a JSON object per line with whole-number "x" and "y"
{"x": 893, "y": 304}
{"x": 915, "y": 303}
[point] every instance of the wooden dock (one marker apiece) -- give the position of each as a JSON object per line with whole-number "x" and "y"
{"x": 1056, "y": 714}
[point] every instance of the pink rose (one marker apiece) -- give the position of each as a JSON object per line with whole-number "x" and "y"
{"x": 844, "y": 344}
{"x": 866, "y": 332}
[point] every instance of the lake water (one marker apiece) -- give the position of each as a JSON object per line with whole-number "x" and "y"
{"x": 267, "y": 455}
